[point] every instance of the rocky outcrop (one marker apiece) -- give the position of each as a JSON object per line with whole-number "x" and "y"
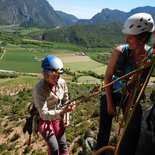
{"x": 146, "y": 145}
{"x": 29, "y": 13}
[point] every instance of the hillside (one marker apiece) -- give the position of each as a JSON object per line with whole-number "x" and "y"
{"x": 13, "y": 110}
{"x": 90, "y": 36}
{"x": 83, "y": 122}
{"x": 28, "y": 13}
{"x": 84, "y": 46}
{"x": 39, "y": 13}
{"x": 68, "y": 19}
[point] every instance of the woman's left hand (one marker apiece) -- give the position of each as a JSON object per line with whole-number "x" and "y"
{"x": 68, "y": 108}
{"x": 66, "y": 123}
{"x": 71, "y": 106}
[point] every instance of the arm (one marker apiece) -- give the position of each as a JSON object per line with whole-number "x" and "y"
{"x": 42, "y": 106}
{"x": 64, "y": 113}
{"x": 46, "y": 103}
{"x": 108, "y": 76}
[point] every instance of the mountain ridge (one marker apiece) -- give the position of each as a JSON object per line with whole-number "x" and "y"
{"x": 28, "y": 13}
{"x": 39, "y": 13}
{"x": 109, "y": 16}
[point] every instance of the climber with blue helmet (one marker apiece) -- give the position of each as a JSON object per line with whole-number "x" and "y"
{"x": 52, "y": 63}
{"x": 138, "y": 30}
{"x": 50, "y": 95}
{"x": 52, "y": 68}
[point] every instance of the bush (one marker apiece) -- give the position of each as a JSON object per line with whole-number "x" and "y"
{"x": 3, "y": 146}
{"x": 27, "y": 149}
{"x": 14, "y": 137}
{"x": 8, "y": 130}
{"x": 6, "y": 153}
{"x": 39, "y": 152}
{"x": 8, "y": 75}
{"x": 75, "y": 148}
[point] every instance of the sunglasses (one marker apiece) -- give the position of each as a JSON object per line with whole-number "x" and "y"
{"x": 55, "y": 73}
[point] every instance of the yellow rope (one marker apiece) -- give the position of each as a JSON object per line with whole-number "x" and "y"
{"x": 103, "y": 149}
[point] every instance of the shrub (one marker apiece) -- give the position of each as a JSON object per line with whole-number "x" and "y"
{"x": 27, "y": 149}
{"x": 39, "y": 152}
{"x": 14, "y": 137}
{"x": 3, "y": 146}
{"x": 8, "y": 130}
{"x": 6, "y": 153}
{"x": 75, "y": 148}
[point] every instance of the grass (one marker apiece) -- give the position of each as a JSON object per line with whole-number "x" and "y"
{"x": 86, "y": 66}
{"x": 24, "y": 58}
{"x": 9, "y": 28}
{"x": 89, "y": 80}
{"x": 19, "y": 80}
{"x": 19, "y": 59}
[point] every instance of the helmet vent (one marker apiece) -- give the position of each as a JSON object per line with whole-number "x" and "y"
{"x": 141, "y": 19}
{"x": 139, "y": 26}
{"x": 143, "y": 29}
{"x": 131, "y": 26}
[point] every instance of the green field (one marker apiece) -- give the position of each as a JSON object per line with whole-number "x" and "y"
{"x": 20, "y": 79}
{"x": 27, "y": 58}
{"x": 19, "y": 59}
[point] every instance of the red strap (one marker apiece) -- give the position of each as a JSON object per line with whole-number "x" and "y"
{"x": 153, "y": 46}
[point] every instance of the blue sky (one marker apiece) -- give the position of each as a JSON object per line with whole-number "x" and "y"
{"x": 86, "y": 9}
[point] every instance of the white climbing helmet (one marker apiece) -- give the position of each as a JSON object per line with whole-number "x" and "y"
{"x": 138, "y": 23}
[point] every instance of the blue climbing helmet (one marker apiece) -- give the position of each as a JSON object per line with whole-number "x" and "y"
{"x": 52, "y": 64}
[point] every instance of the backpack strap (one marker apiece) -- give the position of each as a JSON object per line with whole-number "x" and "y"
{"x": 149, "y": 52}
{"x": 120, "y": 65}
{"x": 32, "y": 119}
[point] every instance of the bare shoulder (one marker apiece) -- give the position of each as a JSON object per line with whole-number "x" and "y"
{"x": 119, "y": 48}
{"x": 117, "y": 51}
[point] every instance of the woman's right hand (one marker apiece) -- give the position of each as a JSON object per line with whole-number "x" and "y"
{"x": 68, "y": 108}
{"x": 111, "y": 109}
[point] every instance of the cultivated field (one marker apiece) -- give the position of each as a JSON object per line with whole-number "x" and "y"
{"x": 28, "y": 59}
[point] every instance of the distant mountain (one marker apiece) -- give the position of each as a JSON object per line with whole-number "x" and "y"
{"x": 39, "y": 13}
{"x": 109, "y": 16}
{"x": 147, "y": 9}
{"x": 28, "y": 13}
{"x": 67, "y": 19}
{"x": 102, "y": 30}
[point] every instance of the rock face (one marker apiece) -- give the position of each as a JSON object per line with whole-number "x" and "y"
{"x": 146, "y": 145}
{"x": 28, "y": 13}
